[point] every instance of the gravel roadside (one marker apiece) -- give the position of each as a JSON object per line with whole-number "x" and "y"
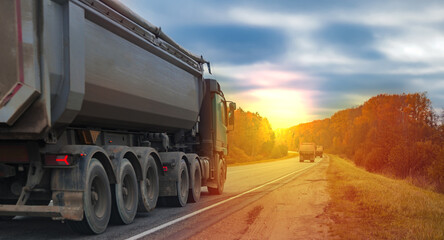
{"x": 292, "y": 211}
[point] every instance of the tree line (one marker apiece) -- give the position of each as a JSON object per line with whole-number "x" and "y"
{"x": 399, "y": 135}
{"x": 252, "y": 139}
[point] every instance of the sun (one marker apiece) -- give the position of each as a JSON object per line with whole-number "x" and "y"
{"x": 282, "y": 107}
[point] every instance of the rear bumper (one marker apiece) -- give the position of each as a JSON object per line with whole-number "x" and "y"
{"x": 307, "y": 157}
{"x": 55, "y": 212}
{"x": 68, "y": 205}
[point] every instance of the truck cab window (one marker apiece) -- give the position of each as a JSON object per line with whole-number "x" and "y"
{"x": 223, "y": 113}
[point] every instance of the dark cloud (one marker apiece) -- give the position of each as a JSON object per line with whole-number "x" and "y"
{"x": 234, "y": 44}
{"x": 352, "y": 40}
{"x": 363, "y": 83}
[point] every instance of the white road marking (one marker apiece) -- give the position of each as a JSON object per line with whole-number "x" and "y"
{"x": 167, "y": 224}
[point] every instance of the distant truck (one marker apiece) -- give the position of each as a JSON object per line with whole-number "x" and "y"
{"x": 319, "y": 151}
{"x": 307, "y": 151}
{"x": 102, "y": 114}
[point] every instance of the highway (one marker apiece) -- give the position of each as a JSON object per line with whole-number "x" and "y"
{"x": 246, "y": 189}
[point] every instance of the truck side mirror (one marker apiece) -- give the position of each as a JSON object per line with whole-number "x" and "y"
{"x": 232, "y": 107}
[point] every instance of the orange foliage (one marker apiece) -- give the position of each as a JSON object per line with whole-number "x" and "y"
{"x": 399, "y": 135}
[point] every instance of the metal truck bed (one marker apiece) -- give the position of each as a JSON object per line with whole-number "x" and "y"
{"x": 91, "y": 63}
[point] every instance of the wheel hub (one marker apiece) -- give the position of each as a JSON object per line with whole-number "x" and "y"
{"x": 125, "y": 192}
{"x": 94, "y": 197}
{"x": 147, "y": 183}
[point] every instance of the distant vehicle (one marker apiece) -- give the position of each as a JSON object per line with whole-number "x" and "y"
{"x": 320, "y": 151}
{"x": 103, "y": 114}
{"x": 307, "y": 151}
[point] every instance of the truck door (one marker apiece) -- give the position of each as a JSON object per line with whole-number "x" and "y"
{"x": 220, "y": 122}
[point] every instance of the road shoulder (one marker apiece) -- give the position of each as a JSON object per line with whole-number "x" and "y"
{"x": 292, "y": 211}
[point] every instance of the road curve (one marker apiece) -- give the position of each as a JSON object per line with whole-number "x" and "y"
{"x": 245, "y": 185}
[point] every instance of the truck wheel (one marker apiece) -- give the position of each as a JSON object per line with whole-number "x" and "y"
{"x": 195, "y": 182}
{"x": 149, "y": 187}
{"x": 182, "y": 186}
{"x": 125, "y": 195}
{"x": 221, "y": 175}
{"x": 96, "y": 201}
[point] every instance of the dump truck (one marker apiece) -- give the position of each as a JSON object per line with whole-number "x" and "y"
{"x": 319, "y": 151}
{"x": 102, "y": 115}
{"x": 307, "y": 151}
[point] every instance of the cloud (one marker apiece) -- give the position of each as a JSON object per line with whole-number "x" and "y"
{"x": 415, "y": 44}
{"x": 271, "y": 90}
{"x": 276, "y": 20}
{"x": 394, "y": 14}
{"x": 232, "y": 43}
{"x": 328, "y": 54}
{"x": 262, "y": 74}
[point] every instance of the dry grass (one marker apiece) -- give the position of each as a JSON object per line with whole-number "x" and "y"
{"x": 369, "y": 206}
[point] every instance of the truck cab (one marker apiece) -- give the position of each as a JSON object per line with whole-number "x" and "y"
{"x": 217, "y": 118}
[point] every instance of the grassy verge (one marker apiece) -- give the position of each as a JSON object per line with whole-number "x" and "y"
{"x": 369, "y": 206}
{"x": 289, "y": 155}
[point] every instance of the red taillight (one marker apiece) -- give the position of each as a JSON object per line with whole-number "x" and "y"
{"x": 58, "y": 160}
{"x": 65, "y": 159}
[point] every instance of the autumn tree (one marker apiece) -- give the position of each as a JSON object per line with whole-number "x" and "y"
{"x": 252, "y": 138}
{"x": 398, "y": 134}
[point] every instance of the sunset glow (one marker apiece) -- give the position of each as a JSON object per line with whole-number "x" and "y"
{"x": 282, "y": 107}
{"x": 314, "y": 58}
{"x": 270, "y": 91}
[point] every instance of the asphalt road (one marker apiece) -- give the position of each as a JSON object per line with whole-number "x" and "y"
{"x": 246, "y": 184}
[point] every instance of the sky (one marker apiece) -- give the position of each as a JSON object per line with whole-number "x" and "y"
{"x": 297, "y": 61}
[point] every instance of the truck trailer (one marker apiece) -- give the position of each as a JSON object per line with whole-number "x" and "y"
{"x": 102, "y": 115}
{"x": 307, "y": 151}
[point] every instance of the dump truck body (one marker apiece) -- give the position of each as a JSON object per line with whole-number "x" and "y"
{"x": 307, "y": 151}
{"x": 90, "y": 90}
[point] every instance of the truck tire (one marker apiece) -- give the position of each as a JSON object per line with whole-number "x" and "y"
{"x": 182, "y": 186}
{"x": 195, "y": 182}
{"x": 149, "y": 186}
{"x": 125, "y": 195}
{"x": 96, "y": 201}
{"x": 221, "y": 174}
